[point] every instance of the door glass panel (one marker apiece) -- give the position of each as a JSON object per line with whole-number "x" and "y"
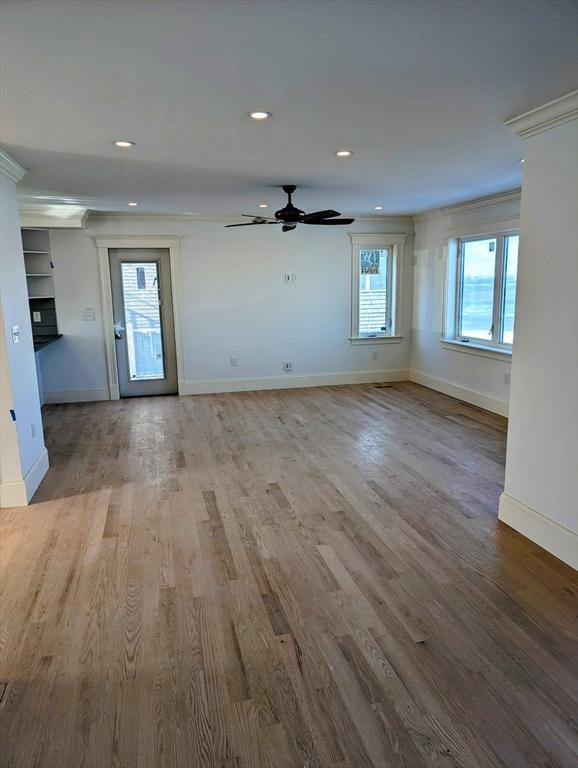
{"x": 510, "y": 274}
{"x": 140, "y": 288}
{"x": 373, "y": 291}
{"x": 477, "y": 300}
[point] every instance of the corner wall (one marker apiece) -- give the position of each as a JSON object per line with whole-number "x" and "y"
{"x": 23, "y": 459}
{"x": 464, "y": 374}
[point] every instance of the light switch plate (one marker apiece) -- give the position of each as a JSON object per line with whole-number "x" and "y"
{"x": 36, "y": 317}
{"x": 16, "y": 334}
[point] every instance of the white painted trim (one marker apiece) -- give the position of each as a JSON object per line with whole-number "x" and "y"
{"x": 395, "y": 242}
{"x": 291, "y": 381}
{"x": 494, "y": 225}
{"x": 551, "y": 536}
{"x": 13, "y": 494}
{"x": 545, "y": 117}
{"x": 470, "y": 348}
{"x": 77, "y": 395}
{"x": 33, "y": 477}
{"x": 374, "y": 239}
{"x": 472, "y": 396}
{"x": 10, "y": 168}
{"x": 469, "y": 206}
{"x": 401, "y": 220}
{"x": 75, "y": 218}
{"x": 103, "y": 243}
{"x": 18, "y": 493}
{"x": 137, "y": 241}
{"x": 375, "y": 340}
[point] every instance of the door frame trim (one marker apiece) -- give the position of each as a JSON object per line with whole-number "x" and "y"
{"x": 103, "y": 244}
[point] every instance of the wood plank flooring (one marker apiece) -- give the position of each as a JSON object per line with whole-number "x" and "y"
{"x": 285, "y": 579}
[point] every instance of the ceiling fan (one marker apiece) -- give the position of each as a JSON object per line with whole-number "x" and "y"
{"x": 290, "y": 216}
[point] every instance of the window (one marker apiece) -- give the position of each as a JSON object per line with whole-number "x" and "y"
{"x": 485, "y": 280}
{"x": 375, "y": 278}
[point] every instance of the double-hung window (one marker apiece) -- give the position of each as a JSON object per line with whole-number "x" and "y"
{"x": 484, "y": 280}
{"x": 375, "y": 285}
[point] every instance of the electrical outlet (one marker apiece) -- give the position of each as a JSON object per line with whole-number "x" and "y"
{"x": 33, "y": 429}
{"x": 16, "y": 334}
{"x": 88, "y": 314}
{"x": 288, "y": 367}
{"x": 293, "y": 277}
{"x": 374, "y": 355}
{"x": 507, "y": 379}
{"x": 36, "y": 317}
{"x": 234, "y": 362}
{"x": 287, "y": 277}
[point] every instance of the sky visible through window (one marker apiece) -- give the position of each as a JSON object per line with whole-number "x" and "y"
{"x": 478, "y": 275}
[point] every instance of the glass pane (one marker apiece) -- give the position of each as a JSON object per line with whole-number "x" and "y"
{"x": 372, "y": 291}
{"x": 509, "y": 300}
{"x": 477, "y": 304}
{"x": 140, "y": 287}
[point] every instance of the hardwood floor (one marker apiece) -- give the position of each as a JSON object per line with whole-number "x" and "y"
{"x": 294, "y": 578}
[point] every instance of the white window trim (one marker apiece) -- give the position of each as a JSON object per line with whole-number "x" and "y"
{"x": 394, "y": 243}
{"x": 450, "y": 339}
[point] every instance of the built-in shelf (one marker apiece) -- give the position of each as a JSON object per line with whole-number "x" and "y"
{"x": 40, "y": 281}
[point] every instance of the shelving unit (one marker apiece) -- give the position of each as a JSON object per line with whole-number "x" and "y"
{"x": 40, "y": 282}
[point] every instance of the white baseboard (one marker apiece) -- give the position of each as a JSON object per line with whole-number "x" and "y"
{"x": 291, "y": 381}
{"x": 76, "y": 395}
{"x": 19, "y": 492}
{"x": 13, "y": 494}
{"x": 472, "y": 396}
{"x": 535, "y": 526}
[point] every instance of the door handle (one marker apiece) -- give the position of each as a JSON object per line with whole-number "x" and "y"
{"x": 118, "y": 330}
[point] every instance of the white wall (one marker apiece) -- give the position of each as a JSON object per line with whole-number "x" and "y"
{"x": 24, "y": 459}
{"x": 471, "y": 377}
{"x": 235, "y": 303}
{"x": 541, "y": 488}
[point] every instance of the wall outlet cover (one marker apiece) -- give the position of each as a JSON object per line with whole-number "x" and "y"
{"x": 36, "y": 317}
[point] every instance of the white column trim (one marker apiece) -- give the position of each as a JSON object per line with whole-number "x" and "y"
{"x": 103, "y": 243}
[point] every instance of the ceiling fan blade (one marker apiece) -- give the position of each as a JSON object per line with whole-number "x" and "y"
{"x": 246, "y": 224}
{"x": 316, "y": 215}
{"x": 257, "y": 216}
{"x": 327, "y": 222}
{"x": 288, "y": 227}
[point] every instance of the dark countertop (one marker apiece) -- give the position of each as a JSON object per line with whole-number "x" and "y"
{"x": 43, "y": 341}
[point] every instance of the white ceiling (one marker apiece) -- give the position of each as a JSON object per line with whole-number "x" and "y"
{"x": 419, "y": 90}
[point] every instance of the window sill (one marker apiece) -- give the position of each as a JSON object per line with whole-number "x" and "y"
{"x": 375, "y": 339}
{"x": 471, "y": 348}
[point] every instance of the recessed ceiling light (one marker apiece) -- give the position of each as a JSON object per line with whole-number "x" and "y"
{"x": 378, "y": 207}
{"x": 133, "y": 205}
{"x": 260, "y": 114}
{"x": 263, "y": 205}
{"x": 124, "y": 143}
{"x": 344, "y": 153}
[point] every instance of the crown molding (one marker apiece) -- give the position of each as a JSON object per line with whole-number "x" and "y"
{"x": 470, "y": 206}
{"x": 10, "y": 168}
{"x": 53, "y": 217}
{"x": 548, "y": 116}
{"x": 96, "y": 216}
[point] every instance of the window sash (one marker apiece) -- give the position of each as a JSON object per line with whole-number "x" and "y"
{"x": 497, "y": 327}
{"x": 362, "y": 281}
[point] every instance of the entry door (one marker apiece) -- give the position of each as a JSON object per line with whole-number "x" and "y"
{"x": 143, "y": 321}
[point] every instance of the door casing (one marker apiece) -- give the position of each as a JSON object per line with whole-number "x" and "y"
{"x": 103, "y": 243}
